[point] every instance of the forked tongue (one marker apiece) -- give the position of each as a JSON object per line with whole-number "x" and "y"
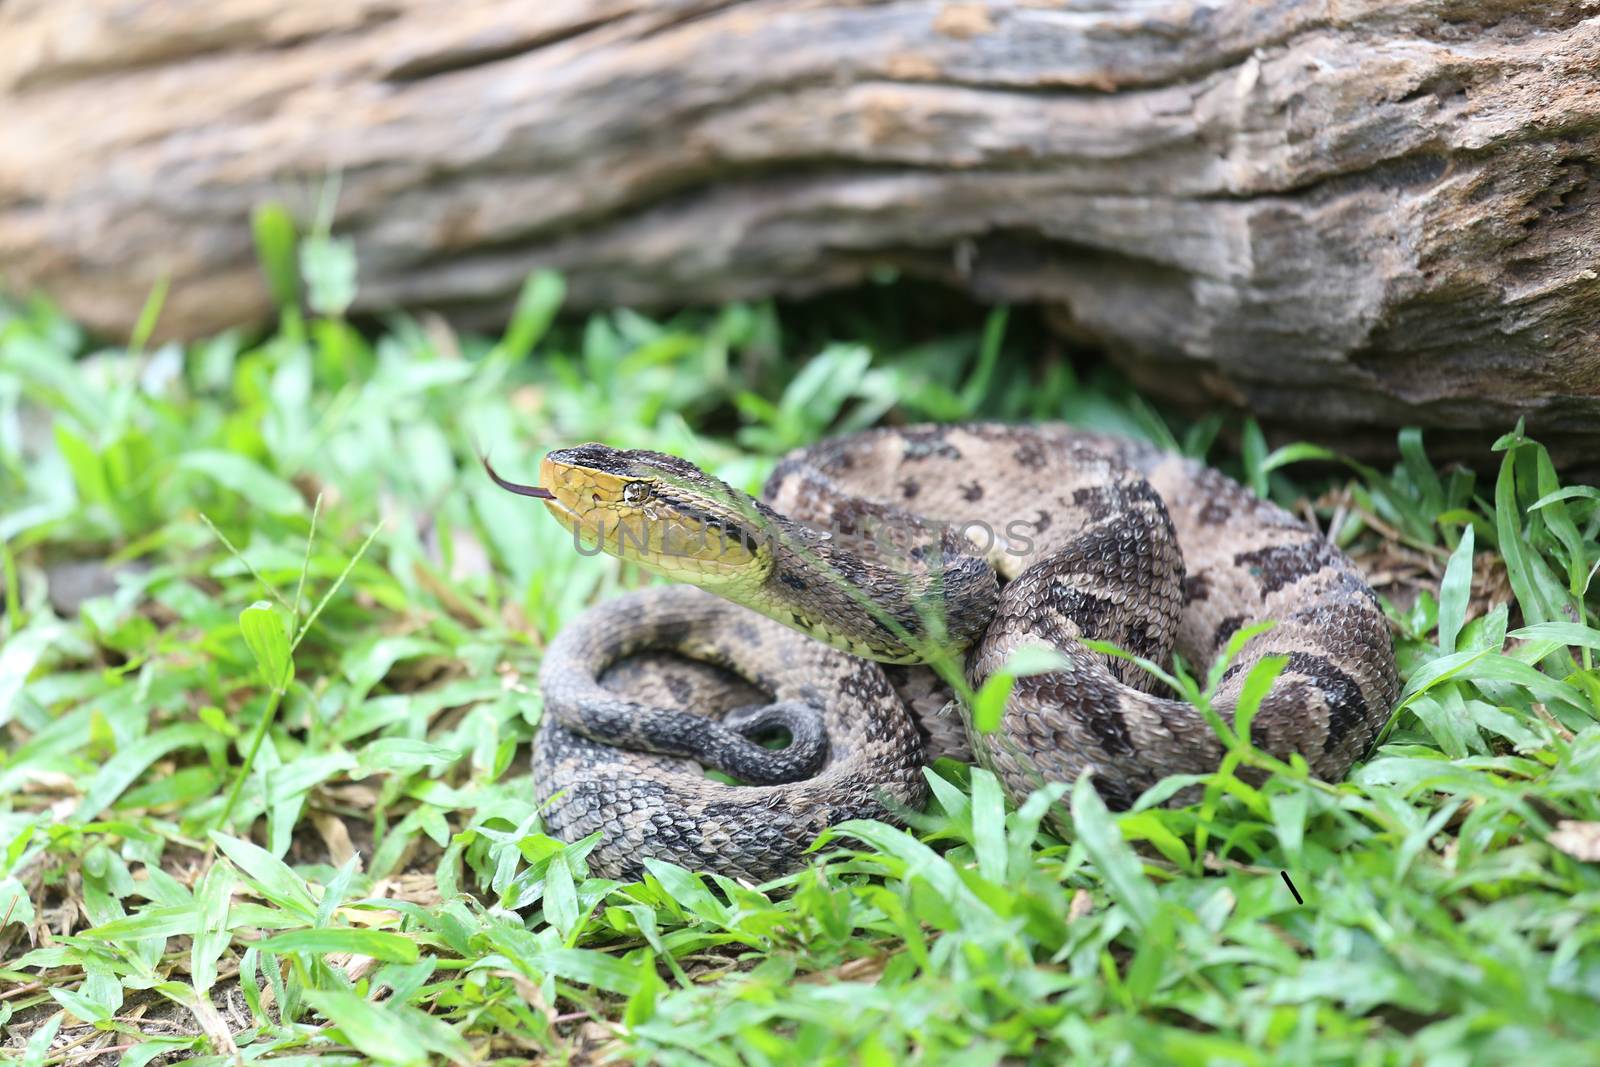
{"x": 516, "y": 487}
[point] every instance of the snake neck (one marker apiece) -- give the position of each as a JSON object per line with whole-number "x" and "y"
{"x": 909, "y": 602}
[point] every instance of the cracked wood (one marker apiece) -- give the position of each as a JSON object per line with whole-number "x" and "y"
{"x": 1376, "y": 211}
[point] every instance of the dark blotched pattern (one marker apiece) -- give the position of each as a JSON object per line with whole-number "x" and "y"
{"x": 1123, "y": 544}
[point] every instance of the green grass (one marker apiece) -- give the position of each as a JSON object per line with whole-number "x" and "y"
{"x": 322, "y": 638}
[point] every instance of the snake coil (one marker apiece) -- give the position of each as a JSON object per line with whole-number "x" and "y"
{"x": 808, "y": 626}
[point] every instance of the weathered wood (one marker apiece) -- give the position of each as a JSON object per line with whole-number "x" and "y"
{"x": 1337, "y": 213}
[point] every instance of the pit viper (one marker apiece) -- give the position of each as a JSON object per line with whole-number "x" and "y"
{"x": 808, "y": 655}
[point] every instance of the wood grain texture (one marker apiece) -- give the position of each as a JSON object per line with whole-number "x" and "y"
{"x": 1336, "y": 212}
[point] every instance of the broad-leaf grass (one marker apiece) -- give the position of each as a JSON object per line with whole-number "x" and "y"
{"x": 265, "y": 686}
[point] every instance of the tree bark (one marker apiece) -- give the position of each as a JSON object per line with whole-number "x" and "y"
{"x": 1338, "y": 213}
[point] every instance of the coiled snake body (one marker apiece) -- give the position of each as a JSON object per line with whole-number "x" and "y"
{"x": 871, "y": 553}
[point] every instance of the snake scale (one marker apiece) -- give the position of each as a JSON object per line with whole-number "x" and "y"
{"x": 795, "y": 667}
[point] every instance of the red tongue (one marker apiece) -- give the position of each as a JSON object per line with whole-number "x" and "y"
{"x": 516, "y": 487}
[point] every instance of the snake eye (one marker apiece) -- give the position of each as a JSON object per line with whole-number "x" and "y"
{"x": 635, "y": 493}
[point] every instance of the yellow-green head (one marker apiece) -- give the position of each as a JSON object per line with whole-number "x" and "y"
{"x": 656, "y": 510}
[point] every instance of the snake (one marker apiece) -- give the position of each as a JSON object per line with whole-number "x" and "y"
{"x": 829, "y": 639}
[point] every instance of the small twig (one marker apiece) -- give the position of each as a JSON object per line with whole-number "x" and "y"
{"x": 1553, "y": 722}
{"x": 81, "y": 1039}
{"x": 23, "y": 990}
{"x": 1385, "y": 530}
{"x": 93, "y": 1053}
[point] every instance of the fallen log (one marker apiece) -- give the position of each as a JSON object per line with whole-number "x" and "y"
{"x": 1338, "y": 214}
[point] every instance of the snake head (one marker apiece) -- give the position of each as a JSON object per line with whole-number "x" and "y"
{"x": 656, "y": 510}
